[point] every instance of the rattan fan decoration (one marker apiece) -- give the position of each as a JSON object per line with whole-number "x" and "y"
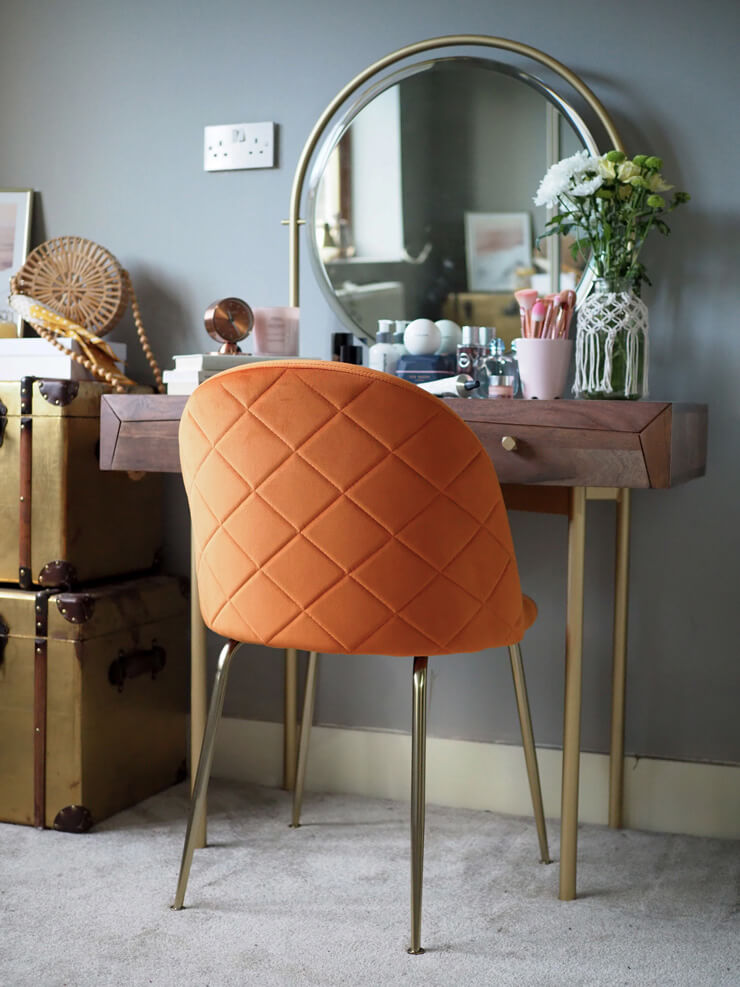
{"x": 84, "y": 282}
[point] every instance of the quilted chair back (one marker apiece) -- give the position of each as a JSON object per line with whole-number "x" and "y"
{"x": 339, "y": 509}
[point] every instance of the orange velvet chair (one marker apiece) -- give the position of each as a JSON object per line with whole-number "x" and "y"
{"x": 338, "y": 509}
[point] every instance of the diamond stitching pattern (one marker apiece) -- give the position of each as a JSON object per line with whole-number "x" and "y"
{"x": 335, "y": 508}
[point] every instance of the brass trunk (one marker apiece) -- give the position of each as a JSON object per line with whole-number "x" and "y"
{"x": 93, "y": 699}
{"x": 62, "y": 520}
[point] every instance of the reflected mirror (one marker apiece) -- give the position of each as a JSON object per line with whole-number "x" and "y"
{"x": 420, "y": 199}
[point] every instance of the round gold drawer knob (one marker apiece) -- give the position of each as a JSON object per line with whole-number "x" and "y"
{"x": 509, "y": 443}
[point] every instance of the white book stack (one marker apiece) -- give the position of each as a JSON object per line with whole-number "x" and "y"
{"x": 36, "y": 358}
{"x": 192, "y": 369}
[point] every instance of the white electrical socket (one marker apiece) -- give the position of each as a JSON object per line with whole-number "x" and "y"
{"x": 232, "y": 146}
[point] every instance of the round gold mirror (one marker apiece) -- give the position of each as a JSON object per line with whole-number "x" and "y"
{"x": 420, "y": 196}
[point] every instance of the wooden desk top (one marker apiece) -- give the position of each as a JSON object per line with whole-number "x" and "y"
{"x": 636, "y": 444}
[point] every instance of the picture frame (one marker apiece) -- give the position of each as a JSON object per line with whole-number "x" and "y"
{"x": 496, "y": 244}
{"x": 15, "y": 238}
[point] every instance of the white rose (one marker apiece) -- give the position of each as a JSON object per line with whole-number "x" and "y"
{"x": 607, "y": 169}
{"x": 627, "y": 170}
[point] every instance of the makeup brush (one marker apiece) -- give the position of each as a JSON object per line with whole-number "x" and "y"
{"x": 561, "y": 327}
{"x": 539, "y": 310}
{"x": 568, "y": 301}
{"x": 526, "y": 298}
{"x": 551, "y": 319}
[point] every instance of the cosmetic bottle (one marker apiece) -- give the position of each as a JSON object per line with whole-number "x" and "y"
{"x": 351, "y": 354}
{"x": 486, "y": 335}
{"x": 340, "y": 340}
{"x": 501, "y": 375}
{"x": 399, "y": 328}
{"x": 468, "y": 350}
{"x": 514, "y": 367}
{"x": 383, "y": 355}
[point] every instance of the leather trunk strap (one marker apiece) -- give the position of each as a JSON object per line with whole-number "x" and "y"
{"x": 25, "y": 480}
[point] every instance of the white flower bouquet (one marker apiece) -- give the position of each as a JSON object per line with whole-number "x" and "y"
{"x": 609, "y": 204}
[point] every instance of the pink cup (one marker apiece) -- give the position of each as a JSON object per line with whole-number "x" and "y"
{"x": 543, "y": 366}
{"x": 275, "y": 331}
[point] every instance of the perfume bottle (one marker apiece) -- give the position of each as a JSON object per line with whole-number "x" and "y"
{"x": 468, "y": 350}
{"x": 501, "y": 371}
{"x": 472, "y": 354}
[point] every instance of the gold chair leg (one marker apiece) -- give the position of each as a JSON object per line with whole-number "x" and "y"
{"x": 197, "y": 801}
{"x": 306, "y": 723}
{"x": 418, "y": 797}
{"x": 289, "y": 717}
{"x": 530, "y": 754}
{"x": 198, "y": 683}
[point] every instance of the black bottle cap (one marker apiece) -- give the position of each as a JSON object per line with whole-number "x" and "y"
{"x": 350, "y": 354}
{"x": 339, "y": 339}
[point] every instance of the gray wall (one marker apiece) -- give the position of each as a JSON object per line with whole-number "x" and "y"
{"x": 102, "y": 108}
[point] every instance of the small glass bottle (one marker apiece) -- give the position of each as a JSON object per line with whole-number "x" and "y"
{"x": 501, "y": 376}
{"x": 512, "y": 355}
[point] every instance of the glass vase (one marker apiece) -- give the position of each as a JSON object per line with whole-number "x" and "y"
{"x": 612, "y": 343}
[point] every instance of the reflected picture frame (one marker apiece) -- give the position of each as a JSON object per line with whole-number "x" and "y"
{"x": 496, "y": 244}
{"x": 15, "y": 237}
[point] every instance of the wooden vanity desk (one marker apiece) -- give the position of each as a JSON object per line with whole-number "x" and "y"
{"x": 551, "y": 457}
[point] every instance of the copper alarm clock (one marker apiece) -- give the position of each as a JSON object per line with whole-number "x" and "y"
{"x": 228, "y": 321}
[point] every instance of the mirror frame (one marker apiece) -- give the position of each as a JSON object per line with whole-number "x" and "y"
{"x": 338, "y": 129}
{"x": 294, "y": 222}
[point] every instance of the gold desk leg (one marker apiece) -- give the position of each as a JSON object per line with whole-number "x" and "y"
{"x": 573, "y": 681}
{"x": 290, "y": 748}
{"x": 619, "y": 666}
{"x": 198, "y": 690}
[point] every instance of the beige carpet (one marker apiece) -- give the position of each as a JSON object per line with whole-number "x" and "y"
{"x": 327, "y": 905}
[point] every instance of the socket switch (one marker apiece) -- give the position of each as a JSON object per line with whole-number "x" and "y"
{"x": 232, "y": 146}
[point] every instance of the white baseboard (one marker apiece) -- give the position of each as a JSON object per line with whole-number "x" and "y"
{"x": 693, "y": 798}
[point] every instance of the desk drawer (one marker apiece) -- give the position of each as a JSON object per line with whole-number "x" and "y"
{"x": 590, "y": 443}
{"x": 564, "y": 456}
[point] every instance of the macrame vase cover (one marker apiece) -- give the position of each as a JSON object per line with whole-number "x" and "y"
{"x": 608, "y": 320}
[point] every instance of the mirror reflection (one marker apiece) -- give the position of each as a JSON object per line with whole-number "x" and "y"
{"x": 421, "y": 203}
